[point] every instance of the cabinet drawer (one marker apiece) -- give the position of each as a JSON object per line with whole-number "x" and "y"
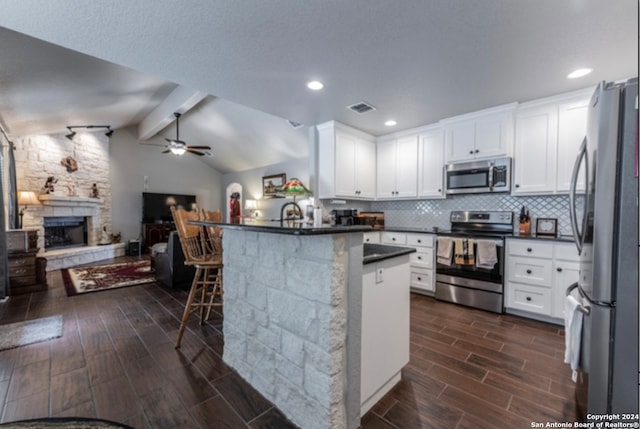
{"x": 371, "y": 237}
{"x": 530, "y": 248}
{"x": 23, "y": 261}
{"x": 21, "y": 281}
{"x": 531, "y": 271}
{"x": 423, "y": 257}
{"x": 393, "y": 238}
{"x": 529, "y": 298}
{"x": 567, "y": 252}
{"x": 420, "y": 240}
{"x": 422, "y": 279}
{"x": 22, "y": 271}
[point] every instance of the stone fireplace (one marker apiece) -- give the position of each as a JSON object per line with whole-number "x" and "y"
{"x": 63, "y": 211}
{"x": 64, "y": 232}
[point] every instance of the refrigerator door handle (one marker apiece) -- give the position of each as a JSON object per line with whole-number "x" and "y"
{"x": 578, "y": 235}
{"x": 582, "y": 309}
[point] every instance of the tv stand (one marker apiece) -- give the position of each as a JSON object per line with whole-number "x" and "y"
{"x": 156, "y": 233}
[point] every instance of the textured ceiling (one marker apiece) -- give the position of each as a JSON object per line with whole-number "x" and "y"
{"x": 416, "y": 61}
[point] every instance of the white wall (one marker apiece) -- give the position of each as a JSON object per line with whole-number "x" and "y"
{"x": 131, "y": 161}
{"x": 251, "y": 181}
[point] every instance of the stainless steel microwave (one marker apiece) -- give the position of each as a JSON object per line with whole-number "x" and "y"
{"x": 478, "y": 177}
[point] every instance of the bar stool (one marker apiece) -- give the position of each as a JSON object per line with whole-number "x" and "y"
{"x": 203, "y": 251}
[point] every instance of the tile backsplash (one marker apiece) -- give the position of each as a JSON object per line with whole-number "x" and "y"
{"x": 430, "y": 213}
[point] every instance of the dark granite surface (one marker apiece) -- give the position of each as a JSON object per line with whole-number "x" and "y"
{"x": 275, "y": 228}
{"x": 378, "y": 252}
{"x": 435, "y": 230}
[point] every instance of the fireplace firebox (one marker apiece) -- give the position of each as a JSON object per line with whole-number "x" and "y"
{"x": 65, "y": 232}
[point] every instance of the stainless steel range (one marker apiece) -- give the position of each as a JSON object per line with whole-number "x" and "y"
{"x": 470, "y": 259}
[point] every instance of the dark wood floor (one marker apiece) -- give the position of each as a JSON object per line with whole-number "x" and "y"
{"x": 116, "y": 360}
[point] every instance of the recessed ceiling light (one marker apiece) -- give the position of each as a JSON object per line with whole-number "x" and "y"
{"x": 579, "y": 73}
{"x": 391, "y": 123}
{"x": 315, "y": 85}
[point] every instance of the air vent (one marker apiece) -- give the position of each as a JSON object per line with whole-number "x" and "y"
{"x": 295, "y": 125}
{"x": 361, "y": 107}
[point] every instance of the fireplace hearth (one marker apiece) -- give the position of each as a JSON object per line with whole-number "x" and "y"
{"x": 65, "y": 232}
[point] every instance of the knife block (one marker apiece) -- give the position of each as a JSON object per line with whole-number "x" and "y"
{"x": 525, "y": 228}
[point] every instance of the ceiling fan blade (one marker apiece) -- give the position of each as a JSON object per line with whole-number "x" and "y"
{"x": 195, "y": 152}
{"x": 199, "y": 147}
{"x": 166, "y": 151}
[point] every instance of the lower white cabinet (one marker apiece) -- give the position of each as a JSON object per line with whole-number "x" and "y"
{"x": 537, "y": 276}
{"x": 372, "y": 237}
{"x": 385, "y": 327}
{"x": 422, "y": 262}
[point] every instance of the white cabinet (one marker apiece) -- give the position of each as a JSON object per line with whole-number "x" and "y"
{"x": 397, "y": 168}
{"x": 372, "y": 237}
{"x": 534, "y": 150}
{"x": 431, "y": 163}
{"x": 484, "y": 134}
{"x": 547, "y": 137}
{"x": 423, "y": 261}
{"x": 346, "y": 162}
{"x": 537, "y": 276}
{"x": 385, "y": 327}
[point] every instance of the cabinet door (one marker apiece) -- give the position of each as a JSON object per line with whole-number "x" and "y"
{"x": 494, "y": 135}
{"x": 461, "y": 140}
{"x": 365, "y": 169}
{"x": 535, "y": 150}
{"x": 386, "y": 169}
{"x": 407, "y": 167}
{"x": 565, "y": 273}
{"x": 431, "y": 183}
{"x": 572, "y": 127}
{"x": 345, "y": 163}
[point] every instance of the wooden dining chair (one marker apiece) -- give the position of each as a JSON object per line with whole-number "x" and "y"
{"x": 204, "y": 252}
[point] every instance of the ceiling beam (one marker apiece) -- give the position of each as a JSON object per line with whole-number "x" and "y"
{"x": 181, "y": 100}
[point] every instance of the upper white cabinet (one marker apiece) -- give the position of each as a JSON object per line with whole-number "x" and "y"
{"x": 484, "y": 134}
{"x": 346, "y": 162}
{"x": 547, "y": 137}
{"x": 397, "y": 168}
{"x": 431, "y": 163}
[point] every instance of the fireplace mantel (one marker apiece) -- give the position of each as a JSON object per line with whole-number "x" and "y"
{"x": 66, "y": 201}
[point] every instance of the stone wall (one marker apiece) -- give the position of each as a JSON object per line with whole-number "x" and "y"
{"x": 285, "y": 322}
{"x": 39, "y": 157}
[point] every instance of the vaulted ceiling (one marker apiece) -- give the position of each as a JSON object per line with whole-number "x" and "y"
{"x": 247, "y": 62}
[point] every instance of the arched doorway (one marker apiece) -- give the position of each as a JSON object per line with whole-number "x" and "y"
{"x": 231, "y": 188}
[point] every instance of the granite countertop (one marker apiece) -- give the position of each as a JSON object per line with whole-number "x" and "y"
{"x": 436, "y": 230}
{"x": 379, "y": 252}
{"x": 275, "y": 228}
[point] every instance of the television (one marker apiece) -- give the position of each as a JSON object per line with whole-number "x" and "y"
{"x": 156, "y": 208}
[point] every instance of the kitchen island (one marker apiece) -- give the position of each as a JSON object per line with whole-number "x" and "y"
{"x": 293, "y": 316}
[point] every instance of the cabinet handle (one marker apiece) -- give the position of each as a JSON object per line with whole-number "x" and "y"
{"x": 393, "y": 239}
{"x": 529, "y": 249}
{"x": 21, "y": 261}
{"x": 470, "y": 152}
{"x": 477, "y": 150}
{"x": 420, "y": 257}
{"x": 528, "y": 298}
{"x": 559, "y": 269}
{"x": 439, "y": 190}
{"x": 419, "y": 241}
{"x": 517, "y": 185}
{"x": 528, "y": 271}
{"x": 21, "y": 271}
{"x": 420, "y": 278}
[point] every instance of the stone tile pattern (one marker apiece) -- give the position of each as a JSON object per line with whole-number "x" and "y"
{"x": 285, "y": 321}
{"x": 39, "y": 156}
{"x": 65, "y": 258}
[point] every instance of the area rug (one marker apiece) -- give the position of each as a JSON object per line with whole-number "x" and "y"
{"x": 105, "y": 277}
{"x": 32, "y": 331}
{"x": 65, "y": 423}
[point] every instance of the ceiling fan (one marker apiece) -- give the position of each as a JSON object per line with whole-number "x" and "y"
{"x": 179, "y": 147}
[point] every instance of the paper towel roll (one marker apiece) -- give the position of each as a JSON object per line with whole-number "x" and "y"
{"x": 317, "y": 217}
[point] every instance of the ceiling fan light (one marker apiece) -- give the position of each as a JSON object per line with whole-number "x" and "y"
{"x": 177, "y": 150}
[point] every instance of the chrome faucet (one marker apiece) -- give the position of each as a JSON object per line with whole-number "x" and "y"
{"x": 284, "y": 206}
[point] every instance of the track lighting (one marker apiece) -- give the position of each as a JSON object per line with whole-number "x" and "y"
{"x": 72, "y": 133}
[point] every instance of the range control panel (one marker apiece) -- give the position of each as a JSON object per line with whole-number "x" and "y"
{"x": 492, "y": 217}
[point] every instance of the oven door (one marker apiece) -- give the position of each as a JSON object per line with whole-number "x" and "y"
{"x": 470, "y": 269}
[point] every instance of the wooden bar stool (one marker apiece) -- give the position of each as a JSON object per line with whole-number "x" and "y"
{"x": 203, "y": 251}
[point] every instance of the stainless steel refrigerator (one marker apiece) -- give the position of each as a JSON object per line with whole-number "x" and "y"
{"x": 604, "y": 216}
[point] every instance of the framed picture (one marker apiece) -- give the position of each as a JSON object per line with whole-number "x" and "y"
{"x": 272, "y": 185}
{"x": 547, "y": 227}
